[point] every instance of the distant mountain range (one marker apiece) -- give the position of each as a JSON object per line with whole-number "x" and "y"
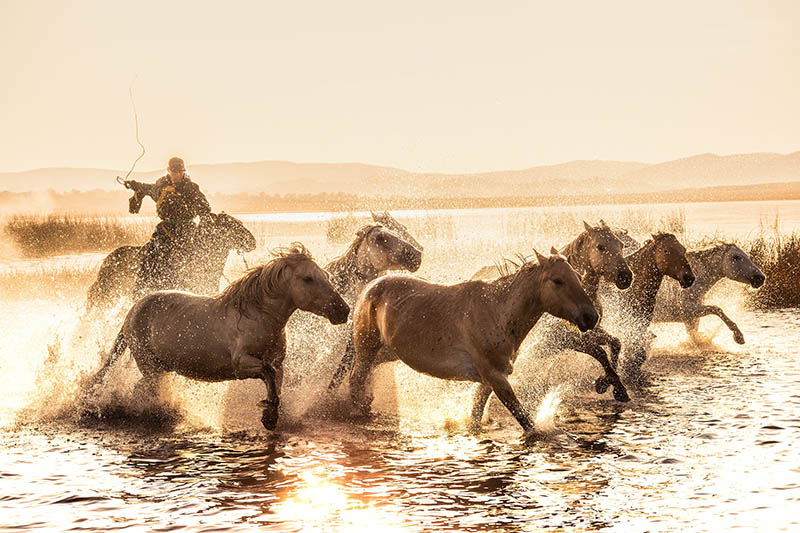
{"x": 566, "y": 179}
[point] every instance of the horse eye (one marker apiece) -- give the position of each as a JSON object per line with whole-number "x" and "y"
{"x": 380, "y": 239}
{"x": 558, "y": 281}
{"x": 601, "y": 247}
{"x": 308, "y": 279}
{"x": 737, "y": 257}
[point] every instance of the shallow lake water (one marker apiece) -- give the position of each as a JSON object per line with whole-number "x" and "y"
{"x": 707, "y": 442}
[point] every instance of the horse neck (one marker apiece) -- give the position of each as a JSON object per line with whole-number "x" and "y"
{"x": 273, "y": 311}
{"x": 516, "y": 300}
{"x": 349, "y": 272}
{"x": 707, "y": 268}
{"x": 646, "y": 279}
{"x": 576, "y": 255}
{"x": 575, "y": 252}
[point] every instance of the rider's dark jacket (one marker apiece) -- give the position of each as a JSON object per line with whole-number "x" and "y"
{"x": 175, "y": 202}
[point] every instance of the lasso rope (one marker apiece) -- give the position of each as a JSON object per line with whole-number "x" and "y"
{"x": 122, "y": 181}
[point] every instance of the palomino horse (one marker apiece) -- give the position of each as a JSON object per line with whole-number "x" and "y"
{"x": 236, "y": 335}
{"x": 595, "y": 254}
{"x": 710, "y": 266}
{"x": 660, "y": 256}
{"x": 470, "y": 331}
{"x": 200, "y": 272}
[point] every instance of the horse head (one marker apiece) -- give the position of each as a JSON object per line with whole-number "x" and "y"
{"x": 309, "y": 286}
{"x": 738, "y": 266}
{"x": 382, "y": 249}
{"x": 604, "y": 253}
{"x": 226, "y": 232}
{"x": 670, "y": 259}
{"x": 386, "y": 220}
{"x": 561, "y": 292}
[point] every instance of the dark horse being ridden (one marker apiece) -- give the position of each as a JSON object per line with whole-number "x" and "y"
{"x": 202, "y": 260}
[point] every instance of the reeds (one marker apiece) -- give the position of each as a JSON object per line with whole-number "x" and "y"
{"x": 44, "y": 235}
{"x": 778, "y": 257}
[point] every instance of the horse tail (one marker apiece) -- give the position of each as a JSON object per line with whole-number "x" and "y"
{"x": 345, "y": 366}
{"x": 116, "y": 350}
{"x": 119, "y": 347}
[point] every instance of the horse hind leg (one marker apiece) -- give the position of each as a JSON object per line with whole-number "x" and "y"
{"x": 479, "y": 400}
{"x": 366, "y": 347}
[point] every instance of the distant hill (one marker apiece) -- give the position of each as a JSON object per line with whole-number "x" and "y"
{"x": 565, "y": 179}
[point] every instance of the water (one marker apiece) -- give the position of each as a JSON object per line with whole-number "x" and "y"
{"x": 707, "y": 444}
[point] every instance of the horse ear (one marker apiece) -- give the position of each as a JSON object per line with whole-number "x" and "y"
{"x": 553, "y": 251}
{"x": 603, "y": 223}
{"x": 587, "y": 226}
{"x": 539, "y": 257}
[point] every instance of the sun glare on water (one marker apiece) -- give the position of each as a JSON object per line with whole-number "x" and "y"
{"x": 319, "y": 502}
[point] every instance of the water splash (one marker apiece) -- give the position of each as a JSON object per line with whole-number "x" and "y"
{"x": 546, "y": 413}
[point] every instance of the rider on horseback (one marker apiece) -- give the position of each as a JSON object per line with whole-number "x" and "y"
{"x": 178, "y": 200}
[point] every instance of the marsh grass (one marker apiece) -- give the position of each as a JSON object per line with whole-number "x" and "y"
{"x": 44, "y": 235}
{"x": 778, "y": 257}
{"x": 455, "y": 246}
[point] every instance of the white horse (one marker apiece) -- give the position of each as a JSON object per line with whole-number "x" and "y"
{"x": 236, "y": 335}
{"x": 709, "y": 266}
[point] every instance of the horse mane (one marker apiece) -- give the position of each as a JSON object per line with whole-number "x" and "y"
{"x": 341, "y": 266}
{"x": 263, "y": 282}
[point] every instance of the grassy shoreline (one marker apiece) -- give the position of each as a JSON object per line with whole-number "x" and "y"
{"x": 38, "y": 236}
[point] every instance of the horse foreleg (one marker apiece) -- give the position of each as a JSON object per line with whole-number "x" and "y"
{"x": 692, "y": 326}
{"x": 247, "y": 366}
{"x": 704, "y": 310}
{"x": 479, "y": 400}
{"x": 269, "y": 413}
{"x": 498, "y": 382}
{"x": 610, "y": 378}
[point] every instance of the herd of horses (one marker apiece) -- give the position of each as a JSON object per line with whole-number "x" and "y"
{"x": 469, "y": 331}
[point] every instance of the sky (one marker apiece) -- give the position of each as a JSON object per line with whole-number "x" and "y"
{"x": 425, "y": 86}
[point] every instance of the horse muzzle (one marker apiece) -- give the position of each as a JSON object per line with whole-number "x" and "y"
{"x": 587, "y": 320}
{"x": 758, "y": 280}
{"x": 687, "y": 280}
{"x": 338, "y": 312}
{"x": 413, "y": 260}
{"x": 624, "y": 279}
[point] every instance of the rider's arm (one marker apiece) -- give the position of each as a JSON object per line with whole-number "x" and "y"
{"x": 198, "y": 200}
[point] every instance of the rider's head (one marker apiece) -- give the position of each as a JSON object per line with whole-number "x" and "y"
{"x": 176, "y": 169}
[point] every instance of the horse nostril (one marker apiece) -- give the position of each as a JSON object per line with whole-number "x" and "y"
{"x": 624, "y": 280}
{"x": 758, "y": 280}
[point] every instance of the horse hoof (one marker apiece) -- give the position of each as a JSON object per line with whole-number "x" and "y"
{"x": 620, "y": 394}
{"x": 269, "y": 414}
{"x": 601, "y": 385}
{"x": 738, "y": 337}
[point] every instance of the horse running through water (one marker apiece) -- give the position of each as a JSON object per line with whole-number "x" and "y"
{"x": 709, "y": 266}
{"x": 595, "y": 254}
{"x": 375, "y": 249}
{"x": 660, "y": 256}
{"x": 199, "y": 270}
{"x": 238, "y": 334}
{"x": 470, "y": 331}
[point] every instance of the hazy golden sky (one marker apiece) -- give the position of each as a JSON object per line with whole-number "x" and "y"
{"x": 439, "y": 86}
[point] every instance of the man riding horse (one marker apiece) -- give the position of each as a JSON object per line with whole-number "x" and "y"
{"x": 178, "y": 200}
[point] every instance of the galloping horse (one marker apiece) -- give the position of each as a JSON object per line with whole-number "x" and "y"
{"x": 660, "y": 256}
{"x": 710, "y": 266}
{"x": 595, "y": 254}
{"x": 236, "y": 335}
{"x": 200, "y": 270}
{"x": 375, "y": 249}
{"x": 470, "y": 331}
